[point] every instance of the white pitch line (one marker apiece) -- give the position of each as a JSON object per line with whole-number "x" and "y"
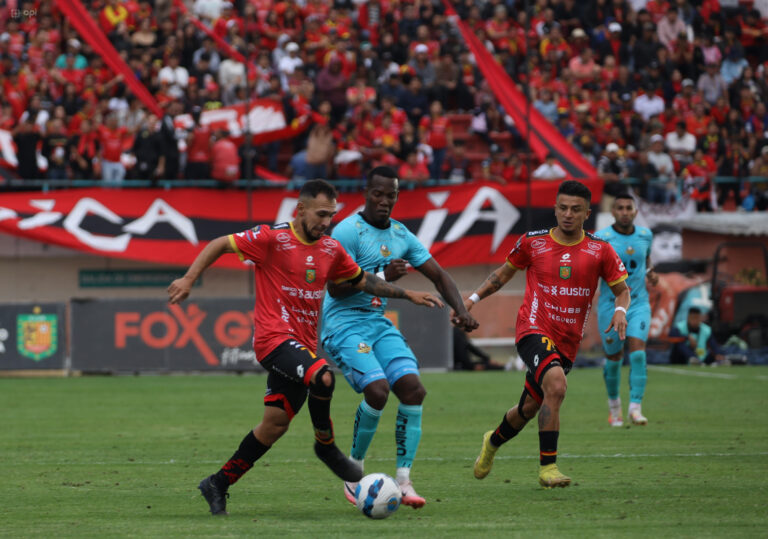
{"x": 431, "y": 459}
{"x": 693, "y": 373}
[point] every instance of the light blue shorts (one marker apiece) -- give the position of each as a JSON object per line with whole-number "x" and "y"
{"x": 638, "y": 325}
{"x": 370, "y": 349}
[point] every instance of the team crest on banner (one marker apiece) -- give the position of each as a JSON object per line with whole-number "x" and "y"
{"x": 310, "y": 275}
{"x": 565, "y": 272}
{"x": 37, "y": 335}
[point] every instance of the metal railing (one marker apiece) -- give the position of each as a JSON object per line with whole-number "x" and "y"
{"x": 346, "y": 185}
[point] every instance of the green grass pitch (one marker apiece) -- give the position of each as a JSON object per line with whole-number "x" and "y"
{"x": 122, "y": 456}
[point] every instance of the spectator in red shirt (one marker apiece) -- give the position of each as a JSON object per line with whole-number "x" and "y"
{"x": 413, "y": 171}
{"x": 112, "y": 140}
{"x": 113, "y": 14}
{"x": 435, "y": 130}
{"x": 515, "y": 170}
{"x": 225, "y": 163}
{"x": 199, "y": 150}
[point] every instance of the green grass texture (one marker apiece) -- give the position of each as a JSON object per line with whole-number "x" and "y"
{"x": 122, "y": 457}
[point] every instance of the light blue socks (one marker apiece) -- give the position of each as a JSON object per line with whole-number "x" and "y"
{"x": 366, "y": 421}
{"x": 612, "y": 377}
{"x": 637, "y": 376}
{"x": 407, "y": 433}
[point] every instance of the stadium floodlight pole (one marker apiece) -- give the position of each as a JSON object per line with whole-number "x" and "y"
{"x": 528, "y": 194}
{"x": 247, "y": 142}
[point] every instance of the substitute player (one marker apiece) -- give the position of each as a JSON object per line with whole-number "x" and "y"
{"x": 368, "y": 348}
{"x": 293, "y": 262}
{"x": 633, "y": 245}
{"x": 563, "y": 267}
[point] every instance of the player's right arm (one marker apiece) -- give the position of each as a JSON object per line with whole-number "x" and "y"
{"x": 492, "y": 284}
{"x": 179, "y": 289}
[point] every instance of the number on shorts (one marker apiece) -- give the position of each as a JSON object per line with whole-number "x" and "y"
{"x": 548, "y": 343}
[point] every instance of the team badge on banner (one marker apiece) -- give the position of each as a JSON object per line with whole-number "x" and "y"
{"x": 565, "y": 272}
{"x": 310, "y": 276}
{"x": 37, "y": 334}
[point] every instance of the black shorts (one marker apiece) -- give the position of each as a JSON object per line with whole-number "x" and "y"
{"x": 540, "y": 354}
{"x": 291, "y": 366}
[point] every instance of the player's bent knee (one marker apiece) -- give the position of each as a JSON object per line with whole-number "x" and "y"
{"x": 324, "y": 383}
{"x": 554, "y": 384}
{"x": 376, "y": 394}
{"x": 417, "y": 395}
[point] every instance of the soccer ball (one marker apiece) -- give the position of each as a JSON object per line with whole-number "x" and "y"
{"x": 378, "y": 495}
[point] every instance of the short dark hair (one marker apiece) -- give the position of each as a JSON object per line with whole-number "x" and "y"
{"x": 576, "y": 189}
{"x": 694, "y": 310}
{"x": 383, "y": 171}
{"x": 316, "y": 187}
{"x": 625, "y": 195}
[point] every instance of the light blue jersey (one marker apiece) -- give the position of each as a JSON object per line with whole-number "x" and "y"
{"x": 372, "y": 248}
{"x": 633, "y": 249}
{"x": 364, "y": 344}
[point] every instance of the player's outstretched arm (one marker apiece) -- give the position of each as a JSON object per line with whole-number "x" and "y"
{"x": 379, "y": 287}
{"x": 493, "y": 283}
{"x": 179, "y": 289}
{"x": 391, "y": 272}
{"x": 619, "y": 319}
{"x": 447, "y": 287}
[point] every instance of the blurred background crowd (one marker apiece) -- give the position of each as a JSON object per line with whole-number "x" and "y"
{"x": 668, "y": 96}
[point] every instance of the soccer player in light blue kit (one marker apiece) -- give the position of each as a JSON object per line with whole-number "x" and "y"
{"x": 366, "y": 346}
{"x": 633, "y": 245}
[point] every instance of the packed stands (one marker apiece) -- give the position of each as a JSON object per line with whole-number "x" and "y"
{"x": 670, "y": 97}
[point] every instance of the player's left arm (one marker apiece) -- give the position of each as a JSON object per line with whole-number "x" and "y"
{"x": 447, "y": 287}
{"x": 379, "y": 287}
{"x": 650, "y": 272}
{"x": 621, "y": 304}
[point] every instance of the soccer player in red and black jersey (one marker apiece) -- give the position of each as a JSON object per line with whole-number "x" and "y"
{"x": 563, "y": 266}
{"x": 293, "y": 263}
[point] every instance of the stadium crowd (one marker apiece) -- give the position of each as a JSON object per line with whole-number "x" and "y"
{"x": 669, "y": 95}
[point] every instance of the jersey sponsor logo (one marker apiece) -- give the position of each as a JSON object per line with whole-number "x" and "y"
{"x": 575, "y": 291}
{"x": 565, "y": 272}
{"x": 384, "y": 250}
{"x": 594, "y": 245}
{"x": 328, "y": 242}
{"x": 363, "y": 348}
{"x": 536, "y": 360}
{"x": 284, "y": 314}
{"x": 621, "y": 267}
{"x": 565, "y": 258}
{"x": 310, "y": 276}
{"x": 538, "y": 243}
{"x": 376, "y": 301}
{"x": 592, "y": 253}
{"x": 301, "y": 293}
{"x": 283, "y": 237}
{"x": 630, "y": 250}
{"x": 300, "y": 371}
{"x": 310, "y": 261}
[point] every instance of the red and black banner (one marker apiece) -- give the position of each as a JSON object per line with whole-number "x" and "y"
{"x": 461, "y": 225}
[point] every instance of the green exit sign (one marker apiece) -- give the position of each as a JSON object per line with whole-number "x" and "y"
{"x": 130, "y": 278}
